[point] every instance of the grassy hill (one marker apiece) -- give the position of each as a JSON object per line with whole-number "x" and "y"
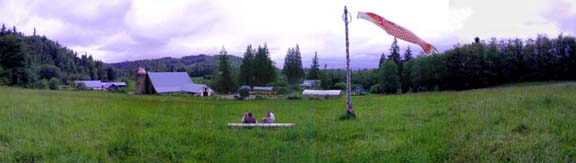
{"x": 518, "y": 124}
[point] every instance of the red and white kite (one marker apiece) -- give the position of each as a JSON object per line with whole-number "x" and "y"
{"x": 397, "y": 31}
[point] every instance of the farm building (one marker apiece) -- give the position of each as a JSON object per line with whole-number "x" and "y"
{"x": 322, "y": 92}
{"x": 99, "y": 85}
{"x": 113, "y": 86}
{"x": 264, "y": 90}
{"x": 308, "y": 84}
{"x": 168, "y": 83}
{"x": 359, "y": 90}
{"x": 90, "y": 84}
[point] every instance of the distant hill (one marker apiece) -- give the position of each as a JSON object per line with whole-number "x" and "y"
{"x": 29, "y": 61}
{"x": 195, "y": 65}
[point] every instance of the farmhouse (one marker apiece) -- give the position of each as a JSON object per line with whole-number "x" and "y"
{"x": 308, "y": 84}
{"x": 359, "y": 90}
{"x": 99, "y": 85}
{"x": 168, "y": 83}
{"x": 113, "y": 86}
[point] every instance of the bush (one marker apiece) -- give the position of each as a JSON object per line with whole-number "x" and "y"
{"x": 122, "y": 90}
{"x": 54, "y": 84}
{"x": 80, "y": 87}
{"x": 340, "y": 86}
{"x": 40, "y": 84}
{"x": 375, "y": 89}
{"x": 281, "y": 90}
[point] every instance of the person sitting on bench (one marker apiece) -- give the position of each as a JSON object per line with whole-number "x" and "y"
{"x": 248, "y": 118}
{"x": 269, "y": 118}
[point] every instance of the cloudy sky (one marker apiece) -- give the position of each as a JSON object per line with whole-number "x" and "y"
{"x": 121, "y": 30}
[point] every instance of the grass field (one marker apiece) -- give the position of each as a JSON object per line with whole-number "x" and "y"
{"x": 518, "y": 124}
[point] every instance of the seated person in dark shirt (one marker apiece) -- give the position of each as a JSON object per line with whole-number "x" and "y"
{"x": 248, "y": 118}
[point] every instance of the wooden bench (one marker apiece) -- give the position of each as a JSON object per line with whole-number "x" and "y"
{"x": 261, "y": 125}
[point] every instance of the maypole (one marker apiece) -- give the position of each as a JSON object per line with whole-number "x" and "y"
{"x": 349, "y": 111}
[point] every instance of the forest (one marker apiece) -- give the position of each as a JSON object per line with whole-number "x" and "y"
{"x": 482, "y": 63}
{"x": 479, "y": 64}
{"x": 37, "y": 62}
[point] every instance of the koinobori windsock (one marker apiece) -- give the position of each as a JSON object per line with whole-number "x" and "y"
{"x": 397, "y": 31}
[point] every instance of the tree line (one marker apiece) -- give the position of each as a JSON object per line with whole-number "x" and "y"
{"x": 37, "y": 62}
{"x": 475, "y": 65}
{"x": 481, "y": 63}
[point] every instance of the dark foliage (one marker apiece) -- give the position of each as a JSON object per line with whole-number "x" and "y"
{"x": 475, "y": 65}
{"x": 27, "y": 60}
{"x": 293, "y": 65}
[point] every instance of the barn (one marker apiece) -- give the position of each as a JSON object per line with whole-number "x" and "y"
{"x": 169, "y": 83}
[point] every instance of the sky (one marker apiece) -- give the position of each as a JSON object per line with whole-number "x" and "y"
{"x": 124, "y": 30}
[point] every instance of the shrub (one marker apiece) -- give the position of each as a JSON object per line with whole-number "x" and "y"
{"x": 375, "y": 89}
{"x": 54, "y": 84}
{"x": 281, "y": 90}
{"x": 340, "y": 86}
{"x": 294, "y": 97}
{"x": 40, "y": 84}
{"x": 80, "y": 87}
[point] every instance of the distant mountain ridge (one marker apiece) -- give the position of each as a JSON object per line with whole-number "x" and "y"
{"x": 195, "y": 65}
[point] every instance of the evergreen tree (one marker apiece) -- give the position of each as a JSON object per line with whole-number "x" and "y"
{"x": 408, "y": 54}
{"x": 2, "y": 30}
{"x": 382, "y": 59}
{"x": 288, "y": 59}
{"x": 395, "y": 52}
{"x": 264, "y": 71}
{"x": 247, "y": 67}
{"x": 314, "y": 73}
{"x": 395, "y": 56}
{"x": 225, "y": 82}
{"x": 298, "y": 63}
{"x": 112, "y": 74}
{"x": 293, "y": 66}
{"x": 405, "y": 71}
{"x": 15, "y": 61}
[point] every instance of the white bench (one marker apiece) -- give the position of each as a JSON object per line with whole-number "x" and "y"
{"x": 262, "y": 125}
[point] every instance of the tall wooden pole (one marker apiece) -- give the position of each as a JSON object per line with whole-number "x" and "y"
{"x": 349, "y": 110}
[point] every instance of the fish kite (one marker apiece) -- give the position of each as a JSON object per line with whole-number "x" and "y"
{"x": 397, "y": 31}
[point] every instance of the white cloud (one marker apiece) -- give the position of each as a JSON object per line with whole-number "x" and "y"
{"x": 121, "y": 30}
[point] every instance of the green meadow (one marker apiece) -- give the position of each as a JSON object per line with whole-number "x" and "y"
{"x": 528, "y": 123}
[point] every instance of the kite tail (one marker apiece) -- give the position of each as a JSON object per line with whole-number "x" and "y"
{"x": 429, "y": 49}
